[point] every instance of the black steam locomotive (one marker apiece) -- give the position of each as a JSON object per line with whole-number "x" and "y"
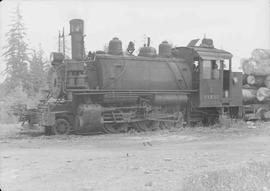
{"x": 115, "y": 91}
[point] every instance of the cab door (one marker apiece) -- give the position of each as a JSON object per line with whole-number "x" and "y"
{"x": 236, "y": 89}
{"x": 226, "y": 81}
{"x": 210, "y": 83}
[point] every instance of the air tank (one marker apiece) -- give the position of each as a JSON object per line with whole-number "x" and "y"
{"x": 164, "y": 49}
{"x": 169, "y": 99}
{"x": 147, "y": 51}
{"x": 77, "y": 41}
{"x": 115, "y": 47}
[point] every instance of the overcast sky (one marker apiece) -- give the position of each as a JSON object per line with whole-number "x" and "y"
{"x": 237, "y": 26}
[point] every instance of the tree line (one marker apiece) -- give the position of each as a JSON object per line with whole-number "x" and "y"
{"x": 26, "y": 68}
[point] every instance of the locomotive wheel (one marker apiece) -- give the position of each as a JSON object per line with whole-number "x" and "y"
{"x": 47, "y": 130}
{"x": 147, "y": 125}
{"x": 61, "y": 127}
{"x": 109, "y": 128}
{"x": 141, "y": 126}
{"x": 155, "y": 125}
{"x": 167, "y": 124}
{"x": 116, "y": 128}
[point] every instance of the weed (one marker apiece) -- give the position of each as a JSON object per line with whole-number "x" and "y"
{"x": 255, "y": 176}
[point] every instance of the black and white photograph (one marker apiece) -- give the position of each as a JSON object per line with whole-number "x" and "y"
{"x": 142, "y": 95}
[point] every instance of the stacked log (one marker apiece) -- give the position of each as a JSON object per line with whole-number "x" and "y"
{"x": 256, "y": 78}
{"x": 267, "y": 82}
{"x": 249, "y": 95}
{"x": 257, "y": 81}
{"x": 263, "y": 94}
{"x": 260, "y": 54}
{"x": 252, "y": 67}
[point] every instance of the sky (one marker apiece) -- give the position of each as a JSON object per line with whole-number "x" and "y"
{"x": 237, "y": 26}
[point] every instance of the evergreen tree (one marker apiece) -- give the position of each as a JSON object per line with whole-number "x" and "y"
{"x": 38, "y": 70}
{"x": 15, "y": 54}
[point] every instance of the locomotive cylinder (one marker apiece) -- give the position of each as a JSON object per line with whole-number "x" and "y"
{"x": 77, "y": 39}
{"x": 88, "y": 117}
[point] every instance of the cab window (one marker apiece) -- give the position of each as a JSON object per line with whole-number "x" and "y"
{"x": 206, "y": 71}
{"x": 210, "y": 69}
{"x": 215, "y": 69}
{"x": 226, "y": 64}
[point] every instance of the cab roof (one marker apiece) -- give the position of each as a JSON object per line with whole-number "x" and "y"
{"x": 205, "y": 50}
{"x": 210, "y": 53}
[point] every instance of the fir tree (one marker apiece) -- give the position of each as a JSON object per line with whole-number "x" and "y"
{"x": 15, "y": 55}
{"x": 38, "y": 70}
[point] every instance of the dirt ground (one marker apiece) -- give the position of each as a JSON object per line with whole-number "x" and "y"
{"x": 157, "y": 160}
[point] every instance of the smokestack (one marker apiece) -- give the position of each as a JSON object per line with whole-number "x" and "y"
{"x": 77, "y": 39}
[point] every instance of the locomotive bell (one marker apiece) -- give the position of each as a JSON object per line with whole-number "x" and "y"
{"x": 147, "y": 51}
{"x": 77, "y": 39}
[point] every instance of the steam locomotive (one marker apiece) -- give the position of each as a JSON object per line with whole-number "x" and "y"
{"x": 116, "y": 91}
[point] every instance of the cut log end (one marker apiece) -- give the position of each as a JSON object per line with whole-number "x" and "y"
{"x": 263, "y": 94}
{"x": 249, "y": 95}
{"x": 251, "y": 80}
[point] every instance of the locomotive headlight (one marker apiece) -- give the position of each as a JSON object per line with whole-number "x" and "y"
{"x": 235, "y": 80}
{"x": 56, "y": 57}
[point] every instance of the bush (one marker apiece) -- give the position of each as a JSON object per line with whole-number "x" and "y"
{"x": 10, "y": 103}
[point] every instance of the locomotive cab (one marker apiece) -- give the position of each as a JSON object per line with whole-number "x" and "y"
{"x": 217, "y": 85}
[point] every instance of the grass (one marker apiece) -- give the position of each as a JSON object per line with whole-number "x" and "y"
{"x": 226, "y": 128}
{"x": 226, "y": 122}
{"x": 255, "y": 176}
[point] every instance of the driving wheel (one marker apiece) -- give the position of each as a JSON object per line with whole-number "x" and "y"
{"x": 116, "y": 128}
{"x": 61, "y": 127}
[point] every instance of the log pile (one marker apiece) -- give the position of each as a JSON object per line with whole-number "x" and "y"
{"x": 256, "y": 80}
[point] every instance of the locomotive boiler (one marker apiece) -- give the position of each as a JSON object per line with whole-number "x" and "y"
{"x": 115, "y": 91}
